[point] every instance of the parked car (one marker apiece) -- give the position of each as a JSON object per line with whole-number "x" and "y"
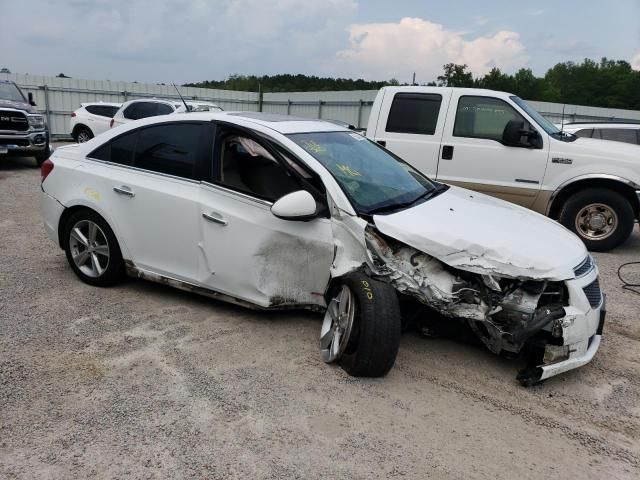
{"x": 23, "y": 130}
{"x": 151, "y": 107}
{"x": 618, "y": 132}
{"x": 495, "y": 143}
{"x": 273, "y": 212}
{"x": 91, "y": 119}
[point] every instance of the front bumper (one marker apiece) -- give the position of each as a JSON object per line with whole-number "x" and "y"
{"x": 24, "y": 143}
{"x": 581, "y": 331}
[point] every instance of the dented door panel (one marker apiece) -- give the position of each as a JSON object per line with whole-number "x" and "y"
{"x": 260, "y": 258}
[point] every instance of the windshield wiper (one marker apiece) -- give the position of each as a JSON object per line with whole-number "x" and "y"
{"x": 438, "y": 189}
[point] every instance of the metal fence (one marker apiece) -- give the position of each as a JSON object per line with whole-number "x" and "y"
{"x": 58, "y": 97}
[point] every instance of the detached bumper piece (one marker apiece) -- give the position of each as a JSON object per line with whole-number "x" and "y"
{"x": 579, "y": 354}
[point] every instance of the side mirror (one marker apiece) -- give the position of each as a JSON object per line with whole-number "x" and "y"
{"x": 30, "y": 97}
{"x": 299, "y": 205}
{"x": 518, "y": 133}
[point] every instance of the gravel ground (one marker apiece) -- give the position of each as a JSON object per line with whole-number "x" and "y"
{"x": 143, "y": 381}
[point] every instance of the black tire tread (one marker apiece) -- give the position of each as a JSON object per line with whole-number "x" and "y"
{"x": 380, "y": 328}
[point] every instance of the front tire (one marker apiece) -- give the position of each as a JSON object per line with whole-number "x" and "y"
{"x": 602, "y": 218}
{"x": 362, "y": 326}
{"x": 92, "y": 249}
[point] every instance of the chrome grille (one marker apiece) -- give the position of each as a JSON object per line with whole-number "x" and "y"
{"x": 584, "y": 267}
{"x": 593, "y": 293}
{"x": 12, "y": 120}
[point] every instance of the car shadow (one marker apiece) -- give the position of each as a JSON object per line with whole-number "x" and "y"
{"x": 12, "y": 164}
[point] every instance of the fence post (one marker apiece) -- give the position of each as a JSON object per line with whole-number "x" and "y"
{"x": 125, "y": 94}
{"x": 320, "y": 102}
{"x": 46, "y": 105}
{"x": 360, "y": 103}
{"x": 260, "y": 98}
{"x": 288, "y": 106}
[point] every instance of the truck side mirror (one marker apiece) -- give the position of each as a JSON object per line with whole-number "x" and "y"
{"x": 30, "y": 97}
{"x": 518, "y": 133}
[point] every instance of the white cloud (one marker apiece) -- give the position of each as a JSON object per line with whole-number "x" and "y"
{"x": 385, "y": 50}
{"x": 635, "y": 61}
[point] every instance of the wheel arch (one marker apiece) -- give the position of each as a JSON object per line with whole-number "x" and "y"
{"x": 66, "y": 214}
{"x": 79, "y": 126}
{"x": 624, "y": 187}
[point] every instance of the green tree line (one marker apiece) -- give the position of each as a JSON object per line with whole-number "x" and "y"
{"x": 609, "y": 83}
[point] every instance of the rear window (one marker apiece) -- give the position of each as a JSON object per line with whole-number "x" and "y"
{"x": 414, "y": 113}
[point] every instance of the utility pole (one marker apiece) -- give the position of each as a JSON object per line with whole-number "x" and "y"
{"x": 413, "y": 82}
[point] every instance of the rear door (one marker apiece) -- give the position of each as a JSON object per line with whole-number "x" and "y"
{"x": 473, "y": 154}
{"x": 411, "y": 126}
{"x": 250, "y": 253}
{"x": 149, "y": 183}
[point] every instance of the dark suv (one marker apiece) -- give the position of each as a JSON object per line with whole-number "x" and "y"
{"x": 23, "y": 131}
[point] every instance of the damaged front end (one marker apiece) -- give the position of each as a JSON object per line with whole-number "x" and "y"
{"x": 504, "y": 313}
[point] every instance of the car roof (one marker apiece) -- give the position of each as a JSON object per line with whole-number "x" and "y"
{"x": 107, "y": 104}
{"x": 283, "y": 124}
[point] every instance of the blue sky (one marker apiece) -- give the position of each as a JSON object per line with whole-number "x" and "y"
{"x": 191, "y": 40}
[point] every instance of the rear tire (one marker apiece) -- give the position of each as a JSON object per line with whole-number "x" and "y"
{"x": 373, "y": 338}
{"x": 92, "y": 249}
{"x": 83, "y": 135}
{"x": 602, "y": 218}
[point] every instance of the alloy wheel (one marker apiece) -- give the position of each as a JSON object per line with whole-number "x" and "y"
{"x": 89, "y": 248}
{"x": 337, "y": 325}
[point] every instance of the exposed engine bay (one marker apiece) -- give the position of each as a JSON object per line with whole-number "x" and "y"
{"x": 504, "y": 313}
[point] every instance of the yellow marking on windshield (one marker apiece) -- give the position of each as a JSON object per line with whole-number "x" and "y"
{"x": 347, "y": 170}
{"x": 314, "y": 147}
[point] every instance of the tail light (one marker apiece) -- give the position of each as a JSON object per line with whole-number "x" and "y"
{"x": 73, "y": 114}
{"x": 46, "y": 169}
{"x": 111, "y": 123}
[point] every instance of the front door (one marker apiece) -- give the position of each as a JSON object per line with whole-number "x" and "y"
{"x": 248, "y": 252}
{"x": 473, "y": 155}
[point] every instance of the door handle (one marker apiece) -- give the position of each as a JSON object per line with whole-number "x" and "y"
{"x": 382, "y": 143}
{"x": 214, "y": 219}
{"x": 124, "y": 190}
{"x": 447, "y": 152}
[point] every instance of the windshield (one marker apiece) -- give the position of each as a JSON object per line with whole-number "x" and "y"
{"x": 546, "y": 125}
{"x": 8, "y": 91}
{"x": 372, "y": 178}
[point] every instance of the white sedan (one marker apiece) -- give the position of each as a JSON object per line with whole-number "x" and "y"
{"x": 274, "y": 212}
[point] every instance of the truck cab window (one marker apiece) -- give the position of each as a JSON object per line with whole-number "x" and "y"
{"x": 414, "y": 113}
{"x": 483, "y": 117}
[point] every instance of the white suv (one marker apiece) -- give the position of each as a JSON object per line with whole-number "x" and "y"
{"x": 617, "y": 132}
{"x": 152, "y": 107}
{"x": 274, "y": 212}
{"x": 91, "y": 119}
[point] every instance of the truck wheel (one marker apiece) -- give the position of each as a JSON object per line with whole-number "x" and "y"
{"x": 362, "y": 326}
{"x": 602, "y": 218}
{"x": 83, "y": 135}
{"x": 92, "y": 249}
{"x": 41, "y": 157}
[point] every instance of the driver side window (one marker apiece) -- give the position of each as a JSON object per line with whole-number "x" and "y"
{"x": 483, "y": 117}
{"x": 246, "y": 166}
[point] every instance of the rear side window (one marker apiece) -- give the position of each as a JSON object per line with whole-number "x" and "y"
{"x": 483, "y": 117}
{"x": 163, "y": 109}
{"x": 102, "y": 110}
{"x": 119, "y": 150}
{"x": 627, "y": 135}
{"x": 414, "y": 113}
{"x": 585, "y": 133}
{"x": 139, "y": 110}
{"x": 172, "y": 149}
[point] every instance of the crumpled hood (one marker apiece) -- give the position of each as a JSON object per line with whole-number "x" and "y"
{"x": 17, "y": 105}
{"x": 481, "y": 234}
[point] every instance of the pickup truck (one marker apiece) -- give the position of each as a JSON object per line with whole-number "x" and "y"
{"x": 495, "y": 143}
{"x": 23, "y": 131}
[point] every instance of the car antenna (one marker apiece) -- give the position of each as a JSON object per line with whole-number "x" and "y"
{"x": 186, "y": 107}
{"x": 562, "y": 121}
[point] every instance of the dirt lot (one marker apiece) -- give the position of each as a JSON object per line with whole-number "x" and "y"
{"x": 142, "y": 381}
